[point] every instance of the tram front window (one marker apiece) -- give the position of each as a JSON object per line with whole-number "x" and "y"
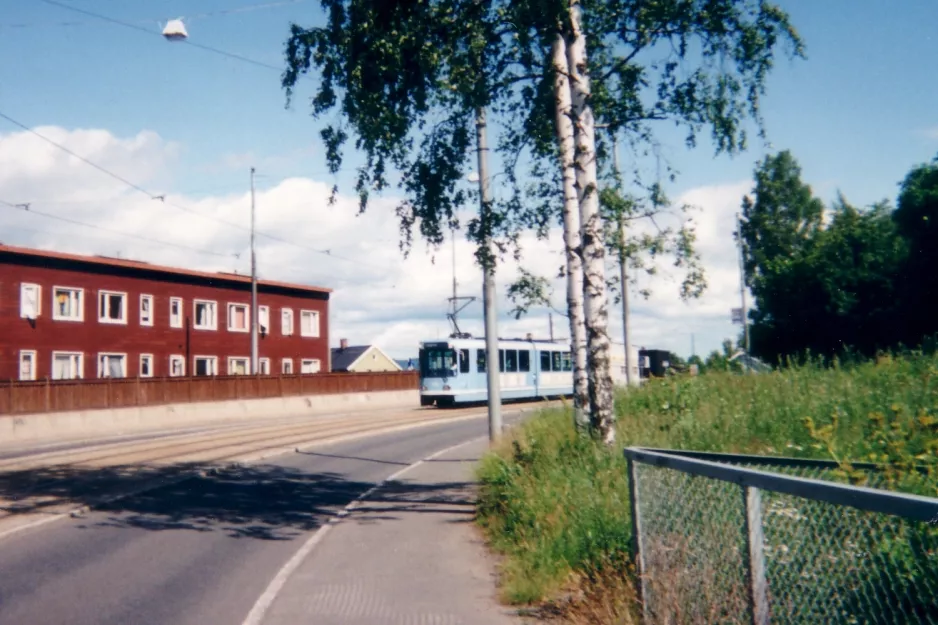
{"x": 438, "y": 363}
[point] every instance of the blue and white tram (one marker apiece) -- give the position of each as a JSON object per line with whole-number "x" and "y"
{"x": 453, "y": 371}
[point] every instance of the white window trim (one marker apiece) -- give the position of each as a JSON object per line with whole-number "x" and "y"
{"x": 195, "y": 316}
{"x": 31, "y": 285}
{"x": 212, "y": 359}
{"x": 177, "y": 358}
{"x": 119, "y": 354}
{"x": 140, "y": 365}
{"x": 81, "y": 304}
{"x": 316, "y": 331}
{"x": 318, "y": 364}
{"x": 260, "y": 366}
{"x": 233, "y": 359}
{"x": 178, "y": 323}
{"x": 146, "y": 296}
{"x": 286, "y": 330}
{"x": 283, "y": 366}
{"x": 102, "y": 318}
{"x": 81, "y": 364}
{"x": 263, "y": 311}
{"x": 247, "y": 317}
{"x": 32, "y": 353}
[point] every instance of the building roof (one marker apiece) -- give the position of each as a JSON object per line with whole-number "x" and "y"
{"x": 344, "y": 357}
{"x": 121, "y": 263}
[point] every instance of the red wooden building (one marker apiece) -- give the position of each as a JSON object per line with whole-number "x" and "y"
{"x": 65, "y": 316}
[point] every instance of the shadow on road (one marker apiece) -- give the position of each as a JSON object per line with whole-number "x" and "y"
{"x": 266, "y": 502}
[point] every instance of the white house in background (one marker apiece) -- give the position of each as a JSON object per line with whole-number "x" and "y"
{"x": 361, "y": 358}
{"x": 617, "y": 364}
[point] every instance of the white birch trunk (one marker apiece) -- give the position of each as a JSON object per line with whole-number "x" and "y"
{"x": 571, "y": 234}
{"x": 602, "y": 413}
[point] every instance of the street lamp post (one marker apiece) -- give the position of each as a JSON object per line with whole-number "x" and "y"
{"x": 253, "y": 287}
{"x": 623, "y": 271}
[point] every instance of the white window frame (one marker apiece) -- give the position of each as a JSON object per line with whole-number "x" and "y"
{"x": 146, "y": 298}
{"x": 177, "y": 322}
{"x": 80, "y": 364}
{"x": 263, "y": 315}
{"x": 213, "y": 323}
{"x": 79, "y": 303}
{"x": 286, "y": 328}
{"x": 148, "y": 358}
{"x": 174, "y": 358}
{"x": 284, "y": 363}
{"x": 101, "y": 310}
{"x": 247, "y": 317}
{"x": 214, "y": 365}
{"x": 262, "y": 364}
{"x": 33, "y": 356}
{"x": 316, "y": 363}
{"x": 24, "y": 288}
{"x": 315, "y": 332}
{"x": 231, "y": 365}
{"x": 112, "y": 354}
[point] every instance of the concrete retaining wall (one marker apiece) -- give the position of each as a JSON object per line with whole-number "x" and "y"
{"x": 64, "y": 426}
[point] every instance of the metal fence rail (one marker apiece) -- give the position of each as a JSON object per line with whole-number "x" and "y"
{"x": 65, "y": 395}
{"x": 719, "y": 539}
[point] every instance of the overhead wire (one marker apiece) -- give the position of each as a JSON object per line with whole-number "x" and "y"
{"x": 162, "y": 198}
{"x": 153, "y": 32}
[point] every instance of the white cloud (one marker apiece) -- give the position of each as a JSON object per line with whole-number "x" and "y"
{"x": 930, "y": 133}
{"x": 378, "y": 296}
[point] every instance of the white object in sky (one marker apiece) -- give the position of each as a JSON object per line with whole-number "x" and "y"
{"x": 473, "y": 177}
{"x": 175, "y": 30}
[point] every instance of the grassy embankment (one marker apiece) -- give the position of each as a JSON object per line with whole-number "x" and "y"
{"x": 556, "y": 505}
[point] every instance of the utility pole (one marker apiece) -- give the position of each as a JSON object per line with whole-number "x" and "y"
{"x": 742, "y": 282}
{"x": 253, "y": 287}
{"x": 488, "y": 287}
{"x": 623, "y": 271}
{"x": 550, "y": 319}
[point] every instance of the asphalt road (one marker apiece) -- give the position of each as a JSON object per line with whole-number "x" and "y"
{"x": 204, "y": 549}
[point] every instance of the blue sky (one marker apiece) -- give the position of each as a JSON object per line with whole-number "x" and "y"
{"x": 857, "y": 114}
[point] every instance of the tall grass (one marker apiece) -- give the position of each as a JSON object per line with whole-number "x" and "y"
{"x": 556, "y": 505}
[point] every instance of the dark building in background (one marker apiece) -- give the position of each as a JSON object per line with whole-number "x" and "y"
{"x": 653, "y": 362}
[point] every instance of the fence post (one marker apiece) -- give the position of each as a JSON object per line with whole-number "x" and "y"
{"x": 48, "y": 395}
{"x": 755, "y": 557}
{"x": 637, "y": 546}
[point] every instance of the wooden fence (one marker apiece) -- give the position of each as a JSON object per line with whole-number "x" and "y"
{"x": 65, "y": 395}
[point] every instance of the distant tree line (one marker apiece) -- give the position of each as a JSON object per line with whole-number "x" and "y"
{"x": 839, "y": 280}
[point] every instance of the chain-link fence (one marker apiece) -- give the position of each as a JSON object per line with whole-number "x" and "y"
{"x": 756, "y": 540}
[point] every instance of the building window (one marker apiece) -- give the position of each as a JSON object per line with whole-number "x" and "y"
{"x": 206, "y": 315}
{"x": 309, "y": 365}
{"x": 27, "y": 364}
{"x": 146, "y": 310}
{"x": 112, "y": 365}
{"x": 286, "y": 366}
{"x": 309, "y": 323}
{"x": 263, "y": 366}
{"x": 286, "y": 321}
{"x": 177, "y": 366}
{"x": 238, "y": 318}
{"x": 67, "y": 365}
{"x": 205, "y": 365}
{"x": 263, "y": 319}
{"x": 175, "y": 312}
{"x": 112, "y": 307}
{"x": 146, "y": 365}
{"x": 30, "y": 300}
{"x": 68, "y": 303}
{"x": 237, "y": 366}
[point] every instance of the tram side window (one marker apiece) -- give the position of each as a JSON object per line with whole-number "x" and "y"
{"x": 557, "y": 361}
{"x": 480, "y": 360}
{"x": 567, "y": 362}
{"x": 464, "y": 361}
{"x": 524, "y": 361}
{"x": 545, "y": 361}
{"x": 501, "y": 360}
{"x": 511, "y": 360}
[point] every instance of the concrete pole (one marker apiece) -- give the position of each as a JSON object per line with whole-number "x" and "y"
{"x": 254, "y": 324}
{"x": 742, "y": 284}
{"x": 488, "y": 289}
